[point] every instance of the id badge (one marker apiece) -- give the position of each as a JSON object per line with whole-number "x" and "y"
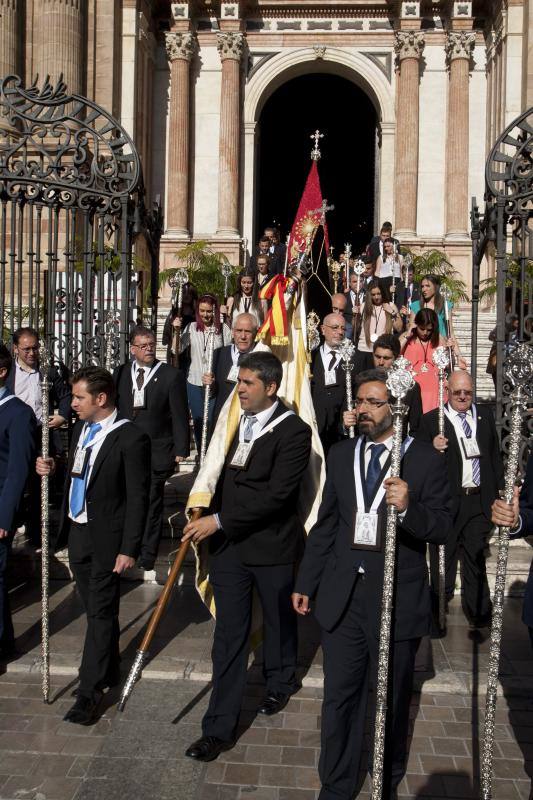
{"x": 241, "y": 455}
{"x": 233, "y": 374}
{"x": 138, "y": 398}
{"x": 366, "y": 534}
{"x": 470, "y": 448}
{"x": 331, "y": 378}
{"x": 80, "y": 463}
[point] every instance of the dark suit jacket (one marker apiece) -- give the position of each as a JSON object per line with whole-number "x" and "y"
{"x": 329, "y": 567}
{"x": 166, "y": 416}
{"x": 373, "y": 250}
{"x": 413, "y": 399}
{"x": 17, "y": 453}
{"x": 60, "y": 391}
{"x": 117, "y": 493}
{"x": 490, "y": 463}
{"x": 526, "y": 516}
{"x": 329, "y": 401}
{"x": 222, "y": 363}
{"x": 257, "y": 506}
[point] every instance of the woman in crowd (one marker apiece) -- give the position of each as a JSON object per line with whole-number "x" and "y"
{"x": 195, "y": 338}
{"x": 389, "y": 266}
{"x": 431, "y": 297}
{"x": 379, "y": 316}
{"x": 246, "y": 298}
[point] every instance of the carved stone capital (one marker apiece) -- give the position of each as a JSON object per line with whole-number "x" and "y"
{"x": 459, "y": 44}
{"x": 230, "y": 45}
{"x": 180, "y": 45}
{"x": 408, "y": 44}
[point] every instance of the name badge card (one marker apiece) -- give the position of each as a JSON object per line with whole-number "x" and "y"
{"x": 233, "y": 374}
{"x": 138, "y": 399}
{"x": 470, "y": 448}
{"x": 81, "y": 459}
{"x": 331, "y": 377}
{"x": 242, "y": 455}
{"x": 366, "y": 531}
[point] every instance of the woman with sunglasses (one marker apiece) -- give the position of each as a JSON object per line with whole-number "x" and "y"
{"x": 195, "y": 336}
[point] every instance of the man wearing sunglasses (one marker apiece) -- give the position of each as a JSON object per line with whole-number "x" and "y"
{"x": 471, "y": 448}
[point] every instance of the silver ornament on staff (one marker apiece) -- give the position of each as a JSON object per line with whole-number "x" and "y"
{"x": 407, "y": 264}
{"x": 346, "y": 350}
{"x": 44, "y": 362}
{"x": 399, "y": 382}
{"x": 226, "y": 274}
{"x": 176, "y": 283}
{"x": 445, "y": 295}
{"x": 519, "y": 372}
{"x": 358, "y": 271}
{"x": 110, "y": 334}
{"x": 313, "y": 336}
{"x": 210, "y": 349}
{"x": 441, "y": 359}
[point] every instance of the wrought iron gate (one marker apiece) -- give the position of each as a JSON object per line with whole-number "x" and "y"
{"x": 72, "y": 206}
{"x": 504, "y": 233}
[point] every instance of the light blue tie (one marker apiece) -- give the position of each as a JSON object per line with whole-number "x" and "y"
{"x": 249, "y": 428}
{"x": 476, "y": 472}
{"x": 79, "y": 485}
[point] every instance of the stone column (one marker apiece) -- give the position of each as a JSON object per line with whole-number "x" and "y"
{"x": 408, "y": 46}
{"x": 180, "y": 50}
{"x": 59, "y": 42}
{"x": 9, "y": 36}
{"x": 230, "y": 47}
{"x": 459, "y": 46}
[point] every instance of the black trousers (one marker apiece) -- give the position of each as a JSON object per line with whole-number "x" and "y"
{"x": 350, "y": 659}
{"x": 470, "y": 531}
{"x": 154, "y": 520}
{"x": 99, "y": 590}
{"x": 233, "y": 584}
{"x": 7, "y": 634}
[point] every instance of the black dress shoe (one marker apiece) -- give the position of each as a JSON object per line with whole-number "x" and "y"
{"x": 273, "y": 703}
{"x": 208, "y": 748}
{"x": 83, "y": 712}
{"x": 145, "y": 563}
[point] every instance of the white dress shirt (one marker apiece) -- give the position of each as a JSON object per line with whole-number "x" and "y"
{"x": 262, "y": 419}
{"x": 382, "y": 459}
{"x": 28, "y": 389}
{"x": 468, "y": 479}
{"x": 326, "y": 352}
{"x": 106, "y": 424}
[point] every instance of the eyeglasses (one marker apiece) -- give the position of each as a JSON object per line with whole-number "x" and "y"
{"x": 369, "y": 401}
{"x": 143, "y": 347}
{"x": 459, "y": 392}
{"x": 34, "y": 349}
{"x": 336, "y": 327}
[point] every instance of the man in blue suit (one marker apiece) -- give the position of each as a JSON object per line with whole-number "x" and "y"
{"x": 17, "y": 442}
{"x": 519, "y": 517}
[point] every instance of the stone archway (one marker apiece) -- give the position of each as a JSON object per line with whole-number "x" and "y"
{"x": 357, "y": 67}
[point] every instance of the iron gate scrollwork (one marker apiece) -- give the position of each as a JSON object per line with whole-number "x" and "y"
{"x": 505, "y": 232}
{"x": 72, "y": 204}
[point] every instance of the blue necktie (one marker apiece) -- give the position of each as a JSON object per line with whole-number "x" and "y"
{"x": 475, "y": 461}
{"x": 79, "y": 485}
{"x": 374, "y": 468}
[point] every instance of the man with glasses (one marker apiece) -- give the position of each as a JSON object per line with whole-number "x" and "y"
{"x": 471, "y": 451}
{"x": 341, "y": 579}
{"x": 24, "y": 381}
{"x": 153, "y": 396}
{"x": 328, "y": 382}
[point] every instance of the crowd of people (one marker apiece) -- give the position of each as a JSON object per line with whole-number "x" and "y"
{"x": 128, "y": 431}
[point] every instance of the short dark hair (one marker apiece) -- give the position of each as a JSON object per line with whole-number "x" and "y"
{"x": 371, "y": 376}
{"x": 98, "y": 381}
{"x": 387, "y": 341}
{"x": 5, "y": 358}
{"x": 425, "y": 317}
{"x": 386, "y": 226}
{"x": 140, "y": 330}
{"x": 25, "y": 331}
{"x": 267, "y": 367}
{"x": 264, "y": 239}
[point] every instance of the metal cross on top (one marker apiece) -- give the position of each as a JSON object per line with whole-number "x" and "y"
{"x": 315, "y": 152}
{"x": 324, "y": 208}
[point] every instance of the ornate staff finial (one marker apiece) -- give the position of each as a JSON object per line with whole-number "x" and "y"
{"x": 324, "y": 208}
{"x": 315, "y": 152}
{"x": 441, "y": 358}
{"x": 400, "y": 378}
{"x": 359, "y": 267}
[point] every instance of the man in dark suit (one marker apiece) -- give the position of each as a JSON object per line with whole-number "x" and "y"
{"x": 277, "y": 250}
{"x": 154, "y": 397}
{"x": 255, "y": 540}
{"x": 328, "y": 382}
{"x": 342, "y": 571}
{"x": 24, "y": 381}
{"x": 355, "y": 298}
{"x": 519, "y": 517}
{"x": 104, "y": 514}
{"x": 263, "y": 249}
{"x": 17, "y": 445}
{"x": 471, "y": 450}
{"x": 375, "y": 247}
{"x": 226, "y": 360}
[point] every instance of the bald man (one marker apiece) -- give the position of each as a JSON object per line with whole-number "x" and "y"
{"x": 475, "y": 469}
{"x": 328, "y": 381}
{"x": 338, "y": 306}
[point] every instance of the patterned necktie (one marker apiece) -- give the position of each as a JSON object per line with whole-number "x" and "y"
{"x": 332, "y": 362}
{"x": 248, "y": 428}
{"x": 374, "y": 468}
{"x": 79, "y": 485}
{"x": 475, "y": 461}
{"x": 140, "y": 378}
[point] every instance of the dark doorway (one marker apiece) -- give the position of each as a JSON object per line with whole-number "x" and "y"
{"x": 347, "y": 118}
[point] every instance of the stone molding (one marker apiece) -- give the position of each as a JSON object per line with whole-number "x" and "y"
{"x": 180, "y": 45}
{"x": 230, "y": 45}
{"x": 459, "y": 44}
{"x": 408, "y": 44}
